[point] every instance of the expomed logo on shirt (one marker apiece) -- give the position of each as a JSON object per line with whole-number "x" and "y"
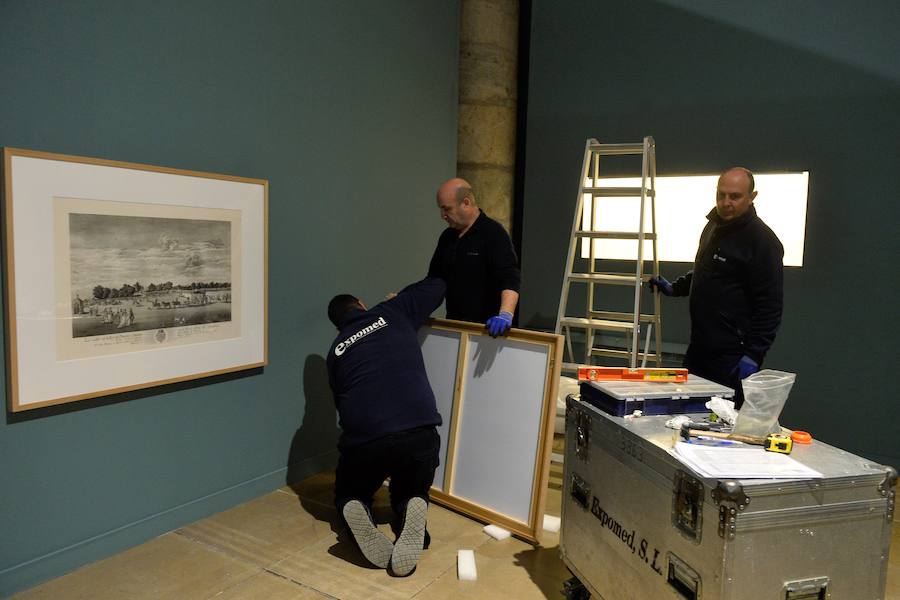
{"x": 342, "y": 347}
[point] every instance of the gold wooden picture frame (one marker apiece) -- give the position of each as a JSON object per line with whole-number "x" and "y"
{"x": 121, "y": 276}
{"x": 497, "y": 397}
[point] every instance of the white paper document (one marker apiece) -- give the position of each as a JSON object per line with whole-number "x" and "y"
{"x": 738, "y": 462}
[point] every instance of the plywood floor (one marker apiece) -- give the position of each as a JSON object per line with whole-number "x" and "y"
{"x": 284, "y": 546}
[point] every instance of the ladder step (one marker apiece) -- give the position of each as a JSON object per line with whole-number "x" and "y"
{"x": 608, "y": 278}
{"x": 616, "y": 192}
{"x": 613, "y": 235}
{"x": 610, "y": 353}
{"x": 615, "y": 149}
{"x": 604, "y": 324}
{"x": 623, "y": 316}
{"x": 570, "y": 367}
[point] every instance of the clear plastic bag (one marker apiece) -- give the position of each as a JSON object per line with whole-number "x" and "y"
{"x": 765, "y": 393}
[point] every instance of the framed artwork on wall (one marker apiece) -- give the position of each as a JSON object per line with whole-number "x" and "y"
{"x": 497, "y": 398}
{"x": 122, "y": 276}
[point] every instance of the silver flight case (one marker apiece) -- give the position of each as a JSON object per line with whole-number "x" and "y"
{"x": 637, "y": 524}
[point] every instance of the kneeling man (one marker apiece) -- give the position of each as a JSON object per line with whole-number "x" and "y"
{"x": 388, "y": 418}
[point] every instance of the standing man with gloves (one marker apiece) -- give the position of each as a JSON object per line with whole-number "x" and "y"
{"x": 475, "y": 256}
{"x": 736, "y": 287}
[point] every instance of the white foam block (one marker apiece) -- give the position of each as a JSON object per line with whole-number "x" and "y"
{"x": 465, "y": 565}
{"x": 551, "y": 523}
{"x": 498, "y": 533}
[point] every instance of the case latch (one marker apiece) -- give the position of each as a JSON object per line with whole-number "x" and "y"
{"x": 580, "y": 491}
{"x": 806, "y": 589}
{"x": 582, "y": 434}
{"x": 730, "y": 497}
{"x": 682, "y": 578}
{"x": 687, "y": 505}
{"x": 887, "y": 489}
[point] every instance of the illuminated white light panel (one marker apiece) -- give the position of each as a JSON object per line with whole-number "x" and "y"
{"x": 682, "y": 203}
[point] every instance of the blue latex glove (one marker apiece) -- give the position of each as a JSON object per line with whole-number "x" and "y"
{"x": 746, "y": 367}
{"x": 499, "y": 324}
{"x": 662, "y": 285}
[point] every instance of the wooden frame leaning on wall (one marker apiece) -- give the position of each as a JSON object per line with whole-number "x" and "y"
{"x": 121, "y": 276}
{"x": 497, "y": 397}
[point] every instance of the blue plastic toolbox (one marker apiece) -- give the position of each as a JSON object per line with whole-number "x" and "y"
{"x": 620, "y": 398}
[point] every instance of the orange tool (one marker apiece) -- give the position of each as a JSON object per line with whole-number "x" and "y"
{"x": 626, "y": 374}
{"x": 801, "y": 437}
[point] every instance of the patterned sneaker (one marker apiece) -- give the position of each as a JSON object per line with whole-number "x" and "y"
{"x": 375, "y": 546}
{"x": 408, "y": 546}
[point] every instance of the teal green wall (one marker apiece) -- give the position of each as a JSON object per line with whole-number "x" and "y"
{"x": 349, "y": 110}
{"x": 771, "y": 85}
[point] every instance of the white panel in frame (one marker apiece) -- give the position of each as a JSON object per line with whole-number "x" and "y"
{"x": 122, "y": 276}
{"x": 497, "y": 398}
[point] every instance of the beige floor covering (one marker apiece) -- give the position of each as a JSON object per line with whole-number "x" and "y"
{"x": 283, "y": 546}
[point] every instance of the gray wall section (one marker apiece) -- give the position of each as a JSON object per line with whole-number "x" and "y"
{"x": 713, "y": 93}
{"x": 349, "y": 110}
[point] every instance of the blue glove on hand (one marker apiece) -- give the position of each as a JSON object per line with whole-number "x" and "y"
{"x": 745, "y": 367}
{"x": 662, "y": 285}
{"x": 499, "y": 324}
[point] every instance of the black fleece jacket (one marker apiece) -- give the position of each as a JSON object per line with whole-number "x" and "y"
{"x": 376, "y": 370}
{"x": 736, "y": 288}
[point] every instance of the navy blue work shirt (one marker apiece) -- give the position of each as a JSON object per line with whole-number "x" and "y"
{"x": 376, "y": 370}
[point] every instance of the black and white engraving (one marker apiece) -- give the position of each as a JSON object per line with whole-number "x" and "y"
{"x": 135, "y": 273}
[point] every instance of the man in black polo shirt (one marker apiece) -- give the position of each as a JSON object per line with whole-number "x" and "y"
{"x": 475, "y": 256}
{"x": 388, "y": 417}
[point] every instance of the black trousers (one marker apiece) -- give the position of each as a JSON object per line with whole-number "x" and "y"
{"x": 409, "y": 458}
{"x": 718, "y": 367}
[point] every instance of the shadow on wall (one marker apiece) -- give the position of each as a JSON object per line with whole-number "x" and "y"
{"x": 148, "y": 392}
{"x": 318, "y": 433}
{"x": 485, "y": 353}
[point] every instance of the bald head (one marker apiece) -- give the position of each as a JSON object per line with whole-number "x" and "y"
{"x": 456, "y": 189}
{"x": 734, "y": 193}
{"x": 739, "y": 172}
{"x": 456, "y": 201}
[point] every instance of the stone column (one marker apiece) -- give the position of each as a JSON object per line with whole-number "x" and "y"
{"x": 488, "y": 47}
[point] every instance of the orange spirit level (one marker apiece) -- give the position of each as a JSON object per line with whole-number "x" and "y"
{"x": 626, "y": 374}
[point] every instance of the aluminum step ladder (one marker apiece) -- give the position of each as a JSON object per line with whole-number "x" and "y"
{"x": 583, "y": 269}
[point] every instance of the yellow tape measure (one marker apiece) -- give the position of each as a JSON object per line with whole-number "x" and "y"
{"x": 777, "y": 442}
